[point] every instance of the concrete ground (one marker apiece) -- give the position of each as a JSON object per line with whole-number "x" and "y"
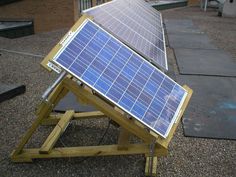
{"x": 187, "y": 156}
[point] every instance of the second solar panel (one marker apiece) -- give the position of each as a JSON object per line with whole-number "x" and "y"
{"x": 132, "y": 28}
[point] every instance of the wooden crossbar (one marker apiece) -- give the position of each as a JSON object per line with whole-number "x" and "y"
{"x": 57, "y": 132}
{"x": 55, "y": 118}
{"x": 102, "y": 150}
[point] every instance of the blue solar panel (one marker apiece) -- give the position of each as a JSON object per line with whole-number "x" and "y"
{"x": 122, "y": 76}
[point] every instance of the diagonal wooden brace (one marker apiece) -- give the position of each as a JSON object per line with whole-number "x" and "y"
{"x": 57, "y": 132}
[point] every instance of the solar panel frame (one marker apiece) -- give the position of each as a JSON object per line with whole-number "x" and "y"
{"x": 162, "y": 53}
{"x": 164, "y": 40}
{"x": 67, "y": 42}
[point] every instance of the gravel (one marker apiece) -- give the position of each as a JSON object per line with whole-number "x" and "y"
{"x": 187, "y": 156}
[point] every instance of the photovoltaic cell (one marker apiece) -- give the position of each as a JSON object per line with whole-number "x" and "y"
{"x": 144, "y": 9}
{"x": 136, "y": 25}
{"x": 122, "y": 76}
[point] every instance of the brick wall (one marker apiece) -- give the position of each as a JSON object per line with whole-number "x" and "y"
{"x": 47, "y": 14}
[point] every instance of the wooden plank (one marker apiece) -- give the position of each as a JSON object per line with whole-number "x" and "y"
{"x": 57, "y": 132}
{"x": 58, "y": 46}
{"x": 108, "y": 110}
{"x": 123, "y": 140}
{"x": 102, "y": 150}
{"x": 154, "y": 166}
{"x": 54, "y": 118}
{"x": 165, "y": 142}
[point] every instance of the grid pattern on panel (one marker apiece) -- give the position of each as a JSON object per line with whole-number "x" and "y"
{"x": 143, "y": 9}
{"x": 147, "y": 7}
{"x": 132, "y": 28}
{"x": 122, "y": 76}
{"x": 134, "y": 18}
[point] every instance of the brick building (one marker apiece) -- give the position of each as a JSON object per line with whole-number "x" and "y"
{"x": 47, "y": 14}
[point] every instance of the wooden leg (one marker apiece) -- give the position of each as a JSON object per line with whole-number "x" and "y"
{"x": 154, "y": 166}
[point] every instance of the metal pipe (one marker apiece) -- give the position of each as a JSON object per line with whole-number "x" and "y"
{"x": 51, "y": 88}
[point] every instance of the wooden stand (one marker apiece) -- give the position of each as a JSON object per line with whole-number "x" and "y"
{"x": 152, "y": 146}
{"x": 128, "y": 126}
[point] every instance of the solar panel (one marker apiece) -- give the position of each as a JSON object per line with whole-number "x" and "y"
{"x": 154, "y": 26}
{"x": 122, "y": 76}
{"x": 135, "y": 26}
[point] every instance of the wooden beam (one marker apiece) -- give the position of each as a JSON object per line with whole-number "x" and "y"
{"x": 123, "y": 140}
{"x": 102, "y": 150}
{"x": 109, "y": 110}
{"x": 54, "y": 118}
{"x": 57, "y": 132}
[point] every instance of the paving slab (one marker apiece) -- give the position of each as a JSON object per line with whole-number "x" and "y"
{"x": 212, "y": 109}
{"x": 8, "y": 91}
{"x": 179, "y": 22}
{"x": 205, "y": 62}
{"x": 70, "y": 102}
{"x": 181, "y": 26}
{"x": 190, "y": 41}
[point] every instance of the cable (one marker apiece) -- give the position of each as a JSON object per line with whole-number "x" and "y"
{"x": 105, "y": 132}
{"x": 100, "y": 141}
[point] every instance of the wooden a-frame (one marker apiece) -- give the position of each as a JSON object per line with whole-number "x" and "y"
{"x": 128, "y": 126}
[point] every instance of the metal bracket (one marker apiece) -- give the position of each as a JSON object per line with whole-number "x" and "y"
{"x": 152, "y": 147}
{"x": 54, "y": 67}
